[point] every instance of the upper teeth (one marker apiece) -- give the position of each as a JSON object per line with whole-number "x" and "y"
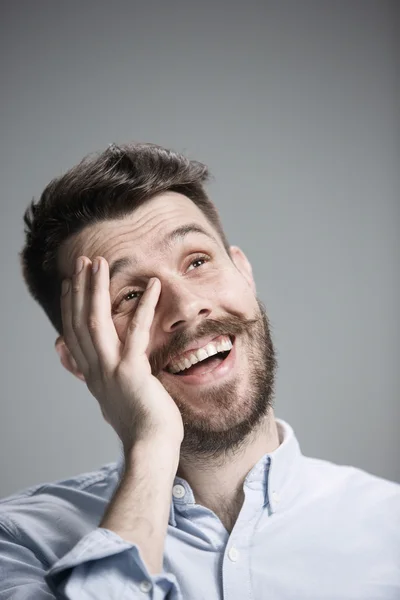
{"x": 184, "y": 362}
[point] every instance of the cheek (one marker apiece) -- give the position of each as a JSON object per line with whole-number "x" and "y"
{"x": 233, "y": 292}
{"x": 121, "y": 325}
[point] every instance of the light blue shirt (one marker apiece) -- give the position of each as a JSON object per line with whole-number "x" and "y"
{"x": 308, "y": 530}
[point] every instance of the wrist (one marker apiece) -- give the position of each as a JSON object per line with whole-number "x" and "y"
{"x": 159, "y": 453}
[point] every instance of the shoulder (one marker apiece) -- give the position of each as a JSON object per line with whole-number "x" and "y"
{"x": 58, "y": 511}
{"x": 354, "y": 490}
{"x": 84, "y": 482}
{"x": 348, "y": 477}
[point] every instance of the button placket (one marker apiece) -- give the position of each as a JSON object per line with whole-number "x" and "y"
{"x": 275, "y": 496}
{"x": 233, "y": 554}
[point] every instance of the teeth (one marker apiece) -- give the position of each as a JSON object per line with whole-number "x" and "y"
{"x": 211, "y": 349}
{"x": 226, "y": 345}
{"x": 201, "y": 354}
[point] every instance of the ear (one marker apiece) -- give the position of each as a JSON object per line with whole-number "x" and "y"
{"x": 242, "y": 264}
{"x": 66, "y": 358}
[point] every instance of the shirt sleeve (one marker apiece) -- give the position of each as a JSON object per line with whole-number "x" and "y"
{"x": 102, "y": 565}
{"x": 21, "y": 571}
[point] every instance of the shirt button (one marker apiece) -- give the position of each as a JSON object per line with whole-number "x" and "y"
{"x": 233, "y": 554}
{"x": 145, "y": 586}
{"x": 178, "y": 491}
{"x": 275, "y": 496}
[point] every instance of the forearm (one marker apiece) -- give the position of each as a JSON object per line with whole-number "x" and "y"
{"x": 140, "y": 508}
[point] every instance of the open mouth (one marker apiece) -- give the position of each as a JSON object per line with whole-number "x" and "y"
{"x": 206, "y": 365}
{"x": 210, "y": 362}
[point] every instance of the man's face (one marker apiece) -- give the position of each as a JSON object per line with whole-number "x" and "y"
{"x": 205, "y": 298}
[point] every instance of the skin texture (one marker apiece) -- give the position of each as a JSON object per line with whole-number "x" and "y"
{"x": 200, "y": 292}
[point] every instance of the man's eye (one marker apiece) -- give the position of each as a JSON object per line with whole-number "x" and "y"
{"x": 128, "y": 297}
{"x": 196, "y": 263}
{"x": 199, "y": 259}
{"x": 131, "y": 295}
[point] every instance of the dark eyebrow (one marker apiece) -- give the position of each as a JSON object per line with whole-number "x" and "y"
{"x": 120, "y": 265}
{"x": 173, "y": 236}
{"x": 181, "y": 232}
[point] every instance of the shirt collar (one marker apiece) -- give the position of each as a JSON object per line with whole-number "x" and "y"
{"x": 279, "y": 472}
{"x": 284, "y": 473}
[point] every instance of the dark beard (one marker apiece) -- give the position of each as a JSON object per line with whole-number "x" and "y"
{"x": 202, "y": 438}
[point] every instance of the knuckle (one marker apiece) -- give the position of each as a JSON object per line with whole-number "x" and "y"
{"x": 95, "y": 283}
{"x": 136, "y": 325}
{"x": 123, "y": 373}
{"x": 76, "y": 322}
{"x": 120, "y": 371}
{"x": 75, "y": 286}
{"x": 94, "y": 373}
{"x": 133, "y": 325}
{"x": 86, "y": 373}
{"x": 94, "y": 323}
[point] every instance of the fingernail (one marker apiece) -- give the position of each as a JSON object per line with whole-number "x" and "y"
{"x": 78, "y": 266}
{"x": 151, "y": 282}
{"x": 65, "y": 286}
{"x": 95, "y": 265}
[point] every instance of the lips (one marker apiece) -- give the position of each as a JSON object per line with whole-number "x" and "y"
{"x": 226, "y": 368}
{"x": 203, "y": 349}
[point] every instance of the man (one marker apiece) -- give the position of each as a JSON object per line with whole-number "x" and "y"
{"x": 212, "y": 497}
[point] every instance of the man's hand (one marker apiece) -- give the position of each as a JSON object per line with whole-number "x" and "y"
{"x": 118, "y": 375}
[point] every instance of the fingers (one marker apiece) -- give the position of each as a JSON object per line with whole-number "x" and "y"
{"x": 80, "y": 303}
{"x": 138, "y": 334}
{"x": 69, "y": 289}
{"x": 100, "y": 324}
{"x": 89, "y": 330}
{"x": 86, "y": 314}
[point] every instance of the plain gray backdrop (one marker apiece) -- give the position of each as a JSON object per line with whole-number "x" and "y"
{"x": 295, "y": 108}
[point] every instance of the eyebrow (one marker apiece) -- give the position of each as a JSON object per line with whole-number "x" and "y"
{"x": 178, "y": 234}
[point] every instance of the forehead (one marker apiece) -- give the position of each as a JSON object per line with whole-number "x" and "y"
{"x": 140, "y": 231}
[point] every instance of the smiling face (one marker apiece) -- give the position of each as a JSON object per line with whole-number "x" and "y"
{"x": 207, "y": 306}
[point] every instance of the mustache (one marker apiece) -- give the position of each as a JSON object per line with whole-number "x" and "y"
{"x": 230, "y": 325}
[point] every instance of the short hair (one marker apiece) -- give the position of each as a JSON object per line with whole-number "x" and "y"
{"x": 103, "y": 186}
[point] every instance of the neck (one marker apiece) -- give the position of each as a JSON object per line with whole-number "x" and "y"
{"x": 218, "y": 483}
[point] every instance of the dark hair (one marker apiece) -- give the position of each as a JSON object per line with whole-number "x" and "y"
{"x": 103, "y": 186}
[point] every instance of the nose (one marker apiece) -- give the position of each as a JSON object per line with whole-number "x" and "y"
{"x": 181, "y": 307}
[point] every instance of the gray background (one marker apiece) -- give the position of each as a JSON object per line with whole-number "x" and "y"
{"x": 294, "y": 106}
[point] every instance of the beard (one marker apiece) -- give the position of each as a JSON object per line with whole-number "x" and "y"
{"x": 232, "y": 416}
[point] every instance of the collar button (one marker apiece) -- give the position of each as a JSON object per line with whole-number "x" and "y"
{"x": 178, "y": 491}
